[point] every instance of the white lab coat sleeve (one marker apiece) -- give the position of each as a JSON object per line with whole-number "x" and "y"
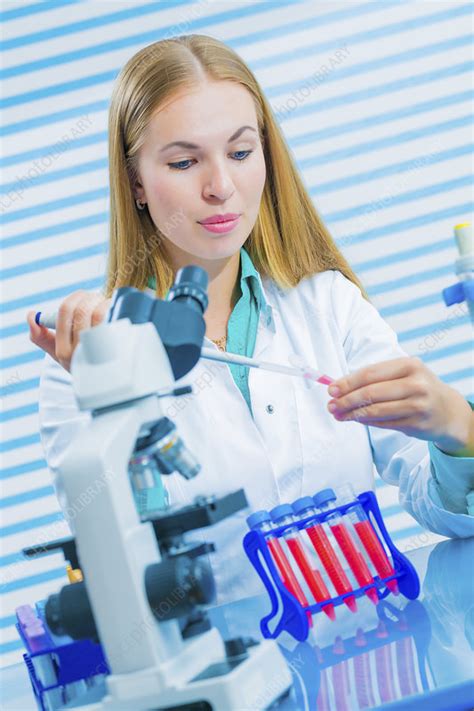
{"x": 60, "y": 418}
{"x": 399, "y": 459}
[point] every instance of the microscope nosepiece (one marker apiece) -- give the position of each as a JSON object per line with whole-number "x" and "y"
{"x": 176, "y": 457}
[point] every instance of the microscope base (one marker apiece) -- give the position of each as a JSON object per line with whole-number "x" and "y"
{"x": 254, "y": 683}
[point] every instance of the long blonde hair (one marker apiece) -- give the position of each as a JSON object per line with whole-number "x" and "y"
{"x": 289, "y": 240}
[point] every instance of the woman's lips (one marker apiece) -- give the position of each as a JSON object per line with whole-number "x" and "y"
{"x": 221, "y": 227}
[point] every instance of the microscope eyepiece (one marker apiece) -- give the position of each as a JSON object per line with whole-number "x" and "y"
{"x": 190, "y": 287}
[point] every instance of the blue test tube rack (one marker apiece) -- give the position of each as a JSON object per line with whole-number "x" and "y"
{"x": 74, "y": 660}
{"x": 294, "y": 617}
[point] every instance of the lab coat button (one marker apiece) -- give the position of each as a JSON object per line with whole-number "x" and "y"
{"x": 270, "y": 409}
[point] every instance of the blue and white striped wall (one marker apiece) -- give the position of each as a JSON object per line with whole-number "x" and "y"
{"x": 375, "y": 99}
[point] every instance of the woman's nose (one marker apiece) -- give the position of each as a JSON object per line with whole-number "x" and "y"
{"x": 218, "y": 183}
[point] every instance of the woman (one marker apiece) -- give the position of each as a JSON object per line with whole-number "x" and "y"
{"x": 192, "y": 139}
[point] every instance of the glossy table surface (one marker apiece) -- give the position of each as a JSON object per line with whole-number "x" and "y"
{"x": 399, "y": 655}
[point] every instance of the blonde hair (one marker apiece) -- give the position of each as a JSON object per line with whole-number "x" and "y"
{"x": 289, "y": 240}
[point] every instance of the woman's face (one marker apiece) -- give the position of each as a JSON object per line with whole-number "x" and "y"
{"x": 183, "y": 185}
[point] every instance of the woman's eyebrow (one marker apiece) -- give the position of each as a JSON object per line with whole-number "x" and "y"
{"x": 193, "y": 146}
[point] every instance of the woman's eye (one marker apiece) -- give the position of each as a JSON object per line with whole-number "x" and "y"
{"x": 179, "y": 165}
{"x": 247, "y": 153}
{"x": 182, "y": 164}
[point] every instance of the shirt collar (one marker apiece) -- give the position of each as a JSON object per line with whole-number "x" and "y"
{"x": 254, "y": 279}
{"x": 248, "y": 273}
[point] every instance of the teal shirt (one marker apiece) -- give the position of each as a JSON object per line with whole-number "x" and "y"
{"x": 243, "y": 321}
{"x": 451, "y": 472}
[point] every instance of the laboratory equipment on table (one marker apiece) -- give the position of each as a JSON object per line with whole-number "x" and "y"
{"x": 367, "y": 535}
{"x": 136, "y": 620}
{"x": 357, "y": 563}
{"x": 303, "y": 508}
{"x": 282, "y": 515}
{"x": 287, "y": 613}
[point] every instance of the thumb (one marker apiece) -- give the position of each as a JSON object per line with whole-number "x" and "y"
{"x": 41, "y": 336}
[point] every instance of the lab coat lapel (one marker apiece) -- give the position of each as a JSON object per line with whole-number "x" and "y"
{"x": 274, "y": 400}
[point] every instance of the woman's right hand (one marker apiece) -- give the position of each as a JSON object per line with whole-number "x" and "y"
{"x": 78, "y": 311}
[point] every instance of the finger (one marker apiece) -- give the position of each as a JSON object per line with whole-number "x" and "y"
{"x": 64, "y": 321}
{"x": 375, "y": 373}
{"x": 408, "y": 425}
{"x": 100, "y": 312}
{"x": 384, "y": 411}
{"x": 41, "y": 336}
{"x": 82, "y": 318}
{"x": 371, "y": 394}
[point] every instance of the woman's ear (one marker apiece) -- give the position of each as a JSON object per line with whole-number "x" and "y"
{"x": 136, "y": 186}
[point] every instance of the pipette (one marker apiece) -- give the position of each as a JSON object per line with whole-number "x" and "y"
{"x": 298, "y": 369}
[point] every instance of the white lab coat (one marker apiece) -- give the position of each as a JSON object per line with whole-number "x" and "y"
{"x": 292, "y": 446}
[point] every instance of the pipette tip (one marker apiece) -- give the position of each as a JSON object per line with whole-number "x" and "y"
{"x": 323, "y": 379}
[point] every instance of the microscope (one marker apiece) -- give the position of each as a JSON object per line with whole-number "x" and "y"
{"x": 137, "y": 571}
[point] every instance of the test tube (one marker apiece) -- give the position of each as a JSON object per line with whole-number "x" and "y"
{"x": 282, "y": 515}
{"x": 261, "y": 520}
{"x": 356, "y": 561}
{"x": 368, "y": 537}
{"x": 303, "y": 508}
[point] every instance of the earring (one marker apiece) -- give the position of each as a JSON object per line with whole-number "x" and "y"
{"x": 141, "y": 206}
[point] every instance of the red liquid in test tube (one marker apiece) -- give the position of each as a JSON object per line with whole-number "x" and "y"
{"x": 262, "y": 520}
{"x": 282, "y": 515}
{"x": 368, "y": 537}
{"x": 304, "y": 508}
{"x": 346, "y": 543}
{"x": 376, "y": 552}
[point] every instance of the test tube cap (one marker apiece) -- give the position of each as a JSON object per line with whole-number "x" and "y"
{"x": 257, "y": 518}
{"x": 302, "y": 504}
{"x": 280, "y": 511}
{"x": 324, "y": 497}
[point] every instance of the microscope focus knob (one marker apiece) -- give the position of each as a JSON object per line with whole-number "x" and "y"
{"x": 177, "y": 585}
{"x": 69, "y": 612}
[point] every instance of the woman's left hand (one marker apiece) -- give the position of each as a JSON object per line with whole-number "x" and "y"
{"x": 403, "y": 394}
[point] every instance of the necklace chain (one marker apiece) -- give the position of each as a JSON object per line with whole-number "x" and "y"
{"x": 220, "y": 342}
